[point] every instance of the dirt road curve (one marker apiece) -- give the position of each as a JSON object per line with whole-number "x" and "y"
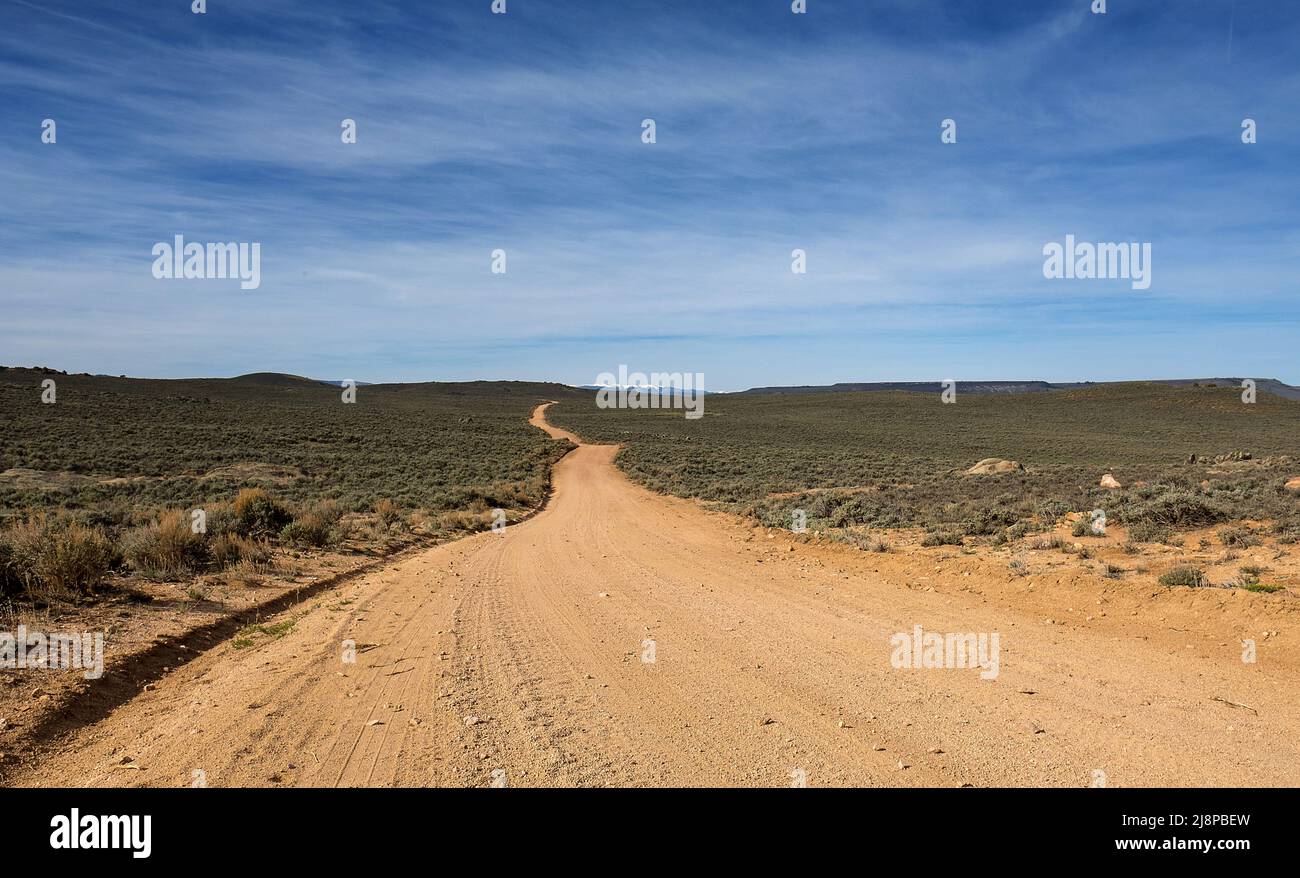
{"x": 519, "y": 656}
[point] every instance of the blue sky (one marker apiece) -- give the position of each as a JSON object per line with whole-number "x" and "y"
{"x": 775, "y": 131}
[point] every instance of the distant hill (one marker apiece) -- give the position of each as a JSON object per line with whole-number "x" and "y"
{"x": 275, "y": 379}
{"x": 1269, "y": 385}
{"x": 1264, "y": 385}
{"x": 284, "y": 388}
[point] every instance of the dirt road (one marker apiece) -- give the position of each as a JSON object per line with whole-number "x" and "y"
{"x": 523, "y": 658}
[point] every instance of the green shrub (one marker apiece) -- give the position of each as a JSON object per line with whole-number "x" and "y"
{"x": 1146, "y": 532}
{"x": 1176, "y": 507}
{"x": 1286, "y": 526}
{"x": 1083, "y": 527}
{"x": 1191, "y": 577}
{"x": 115, "y": 514}
{"x": 257, "y": 514}
{"x": 856, "y": 510}
{"x": 221, "y": 520}
{"x": 1018, "y": 530}
{"x": 1238, "y": 536}
{"x": 1051, "y": 510}
{"x": 990, "y": 520}
{"x": 315, "y": 526}
{"x": 941, "y": 538}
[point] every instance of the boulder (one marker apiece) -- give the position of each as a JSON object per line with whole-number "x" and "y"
{"x": 1110, "y": 482}
{"x": 994, "y": 466}
{"x": 1293, "y": 484}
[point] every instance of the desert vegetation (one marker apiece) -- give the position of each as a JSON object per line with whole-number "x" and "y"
{"x": 1181, "y": 459}
{"x": 107, "y": 480}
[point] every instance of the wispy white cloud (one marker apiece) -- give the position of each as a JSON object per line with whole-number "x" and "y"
{"x": 524, "y": 135}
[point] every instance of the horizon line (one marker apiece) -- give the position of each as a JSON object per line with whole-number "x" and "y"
{"x": 595, "y": 386}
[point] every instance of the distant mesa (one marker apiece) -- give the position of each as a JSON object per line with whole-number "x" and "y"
{"x": 651, "y": 389}
{"x": 979, "y": 387}
{"x": 985, "y": 388}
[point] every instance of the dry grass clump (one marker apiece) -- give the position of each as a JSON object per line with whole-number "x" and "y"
{"x": 388, "y": 512}
{"x": 255, "y": 559}
{"x": 45, "y": 557}
{"x": 168, "y": 548}
{"x": 48, "y": 557}
{"x": 229, "y": 549}
{"x": 865, "y": 542}
{"x": 460, "y": 521}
